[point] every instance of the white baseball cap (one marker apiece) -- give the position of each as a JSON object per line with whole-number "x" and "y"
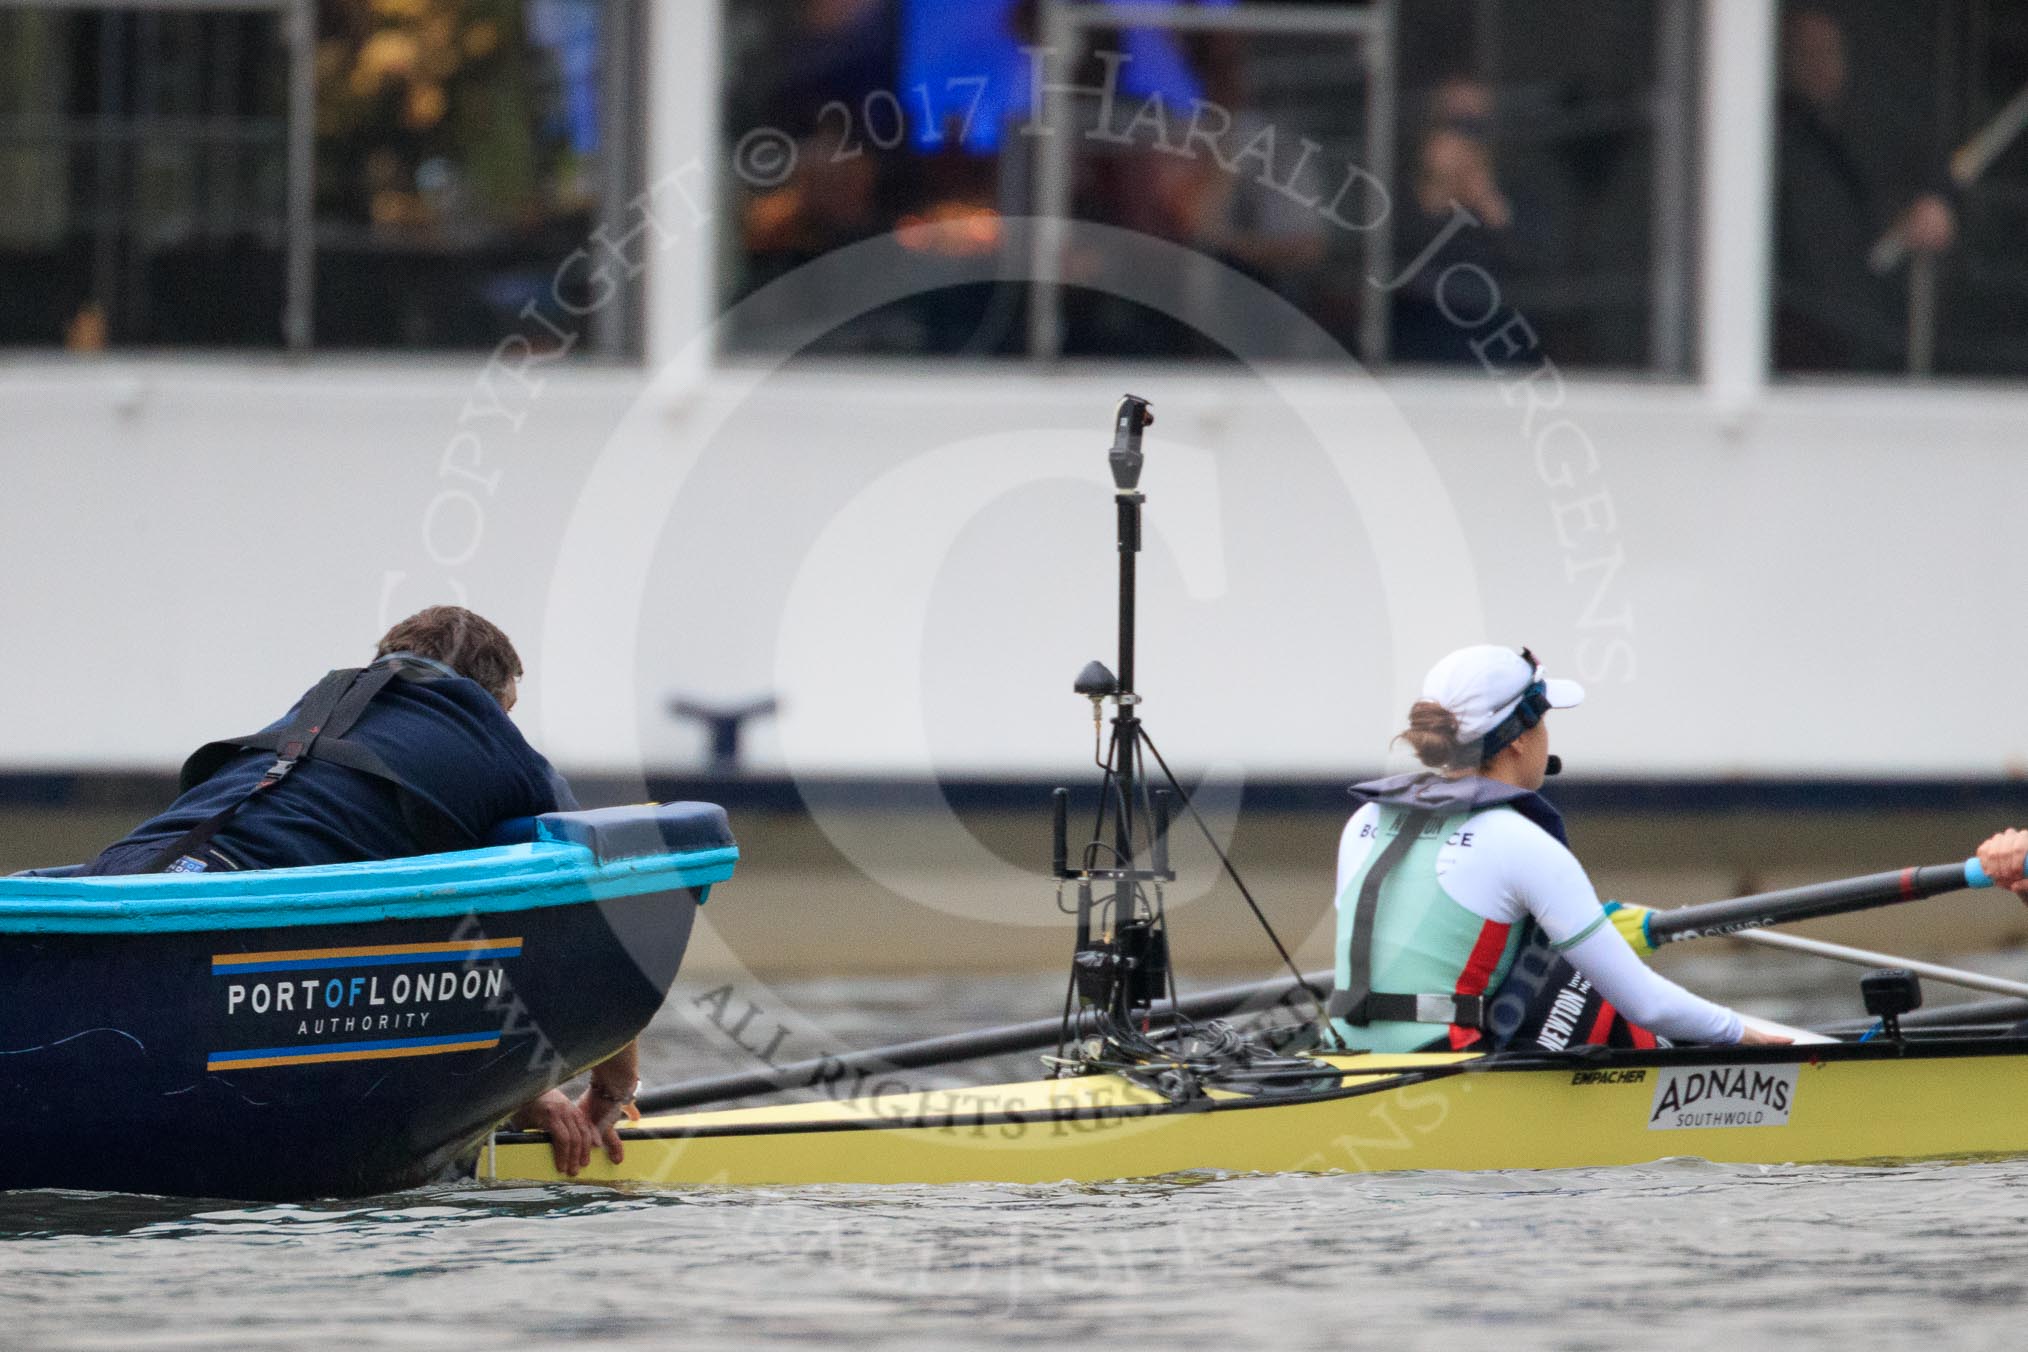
{"x": 1484, "y": 685}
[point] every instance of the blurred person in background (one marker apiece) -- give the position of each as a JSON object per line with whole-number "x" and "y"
{"x": 1451, "y": 168}
{"x": 1229, "y": 213}
{"x": 841, "y": 188}
{"x": 1195, "y": 153}
{"x": 1832, "y": 311}
{"x": 837, "y": 55}
{"x": 1216, "y": 205}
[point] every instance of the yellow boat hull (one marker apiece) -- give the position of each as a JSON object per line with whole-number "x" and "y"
{"x": 1816, "y": 1104}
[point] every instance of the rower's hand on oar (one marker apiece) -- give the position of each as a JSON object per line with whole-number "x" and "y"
{"x": 1749, "y": 1036}
{"x": 572, "y": 1135}
{"x": 1632, "y": 923}
{"x": 2002, "y": 856}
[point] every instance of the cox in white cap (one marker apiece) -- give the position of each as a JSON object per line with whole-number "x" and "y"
{"x": 1487, "y": 698}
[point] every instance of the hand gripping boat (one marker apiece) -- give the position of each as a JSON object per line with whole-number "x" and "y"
{"x": 332, "y": 1031}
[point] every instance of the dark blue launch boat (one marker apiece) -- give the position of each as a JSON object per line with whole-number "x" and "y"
{"x": 332, "y": 1031}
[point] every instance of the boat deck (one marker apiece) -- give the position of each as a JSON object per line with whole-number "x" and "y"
{"x": 1085, "y": 1093}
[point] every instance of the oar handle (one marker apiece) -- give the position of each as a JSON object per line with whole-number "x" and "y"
{"x": 1815, "y": 899}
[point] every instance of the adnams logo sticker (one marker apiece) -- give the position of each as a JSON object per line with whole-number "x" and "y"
{"x": 1723, "y": 1096}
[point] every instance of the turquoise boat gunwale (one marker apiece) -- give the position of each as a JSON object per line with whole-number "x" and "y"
{"x": 497, "y": 878}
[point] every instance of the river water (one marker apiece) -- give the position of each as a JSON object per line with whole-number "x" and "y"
{"x": 1679, "y": 1254}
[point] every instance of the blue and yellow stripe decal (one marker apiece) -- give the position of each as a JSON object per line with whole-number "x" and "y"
{"x": 374, "y": 955}
{"x": 254, "y": 1058}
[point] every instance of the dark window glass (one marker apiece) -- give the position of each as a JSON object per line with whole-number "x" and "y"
{"x": 463, "y": 153}
{"x": 1257, "y": 153}
{"x": 142, "y": 178}
{"x": 1565, "y": 126}
{"x": 1314, "y": 150}
{"x": 1902, "y": 190}
{"x": 458, "y": 152}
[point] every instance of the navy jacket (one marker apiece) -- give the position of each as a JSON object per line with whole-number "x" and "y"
{"x": 445, "y": 737}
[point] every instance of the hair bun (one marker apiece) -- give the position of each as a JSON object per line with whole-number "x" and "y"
{"x": 1432, "y": 734}
{"x": 1429, "y": 716}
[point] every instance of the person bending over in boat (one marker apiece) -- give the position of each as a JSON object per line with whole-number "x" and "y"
{"x": 1464, "y": 921}
{"x": 411, "y": 754}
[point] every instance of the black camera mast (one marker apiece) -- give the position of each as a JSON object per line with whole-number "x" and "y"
{"x": 1120, "y": 1014}
{"x": 1120, "y": 969}
{"x": 1123, "y": 968}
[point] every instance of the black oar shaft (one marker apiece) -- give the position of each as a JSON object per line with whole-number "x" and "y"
{"x": 1804, "y": 903}
{"x": 849, "y": 1068}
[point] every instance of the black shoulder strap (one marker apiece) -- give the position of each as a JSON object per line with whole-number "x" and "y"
{"x": 1350, "y": 1004}
{"x": 433, "y": 825}
{"x": 317, "y": 732}
{"x": 341, "y": 695}
{"x": 1358, "y": 1003}
{"x": 313, "y": 714}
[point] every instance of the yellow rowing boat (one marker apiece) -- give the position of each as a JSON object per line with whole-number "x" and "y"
{"x": 1951, "y": 1097}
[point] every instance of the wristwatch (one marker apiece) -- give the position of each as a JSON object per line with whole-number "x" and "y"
{"x": 600, "y": 1091}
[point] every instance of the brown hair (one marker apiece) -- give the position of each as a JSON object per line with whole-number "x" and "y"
{"x": 468, "y": 644}
{"x": 1432, "y": 734}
